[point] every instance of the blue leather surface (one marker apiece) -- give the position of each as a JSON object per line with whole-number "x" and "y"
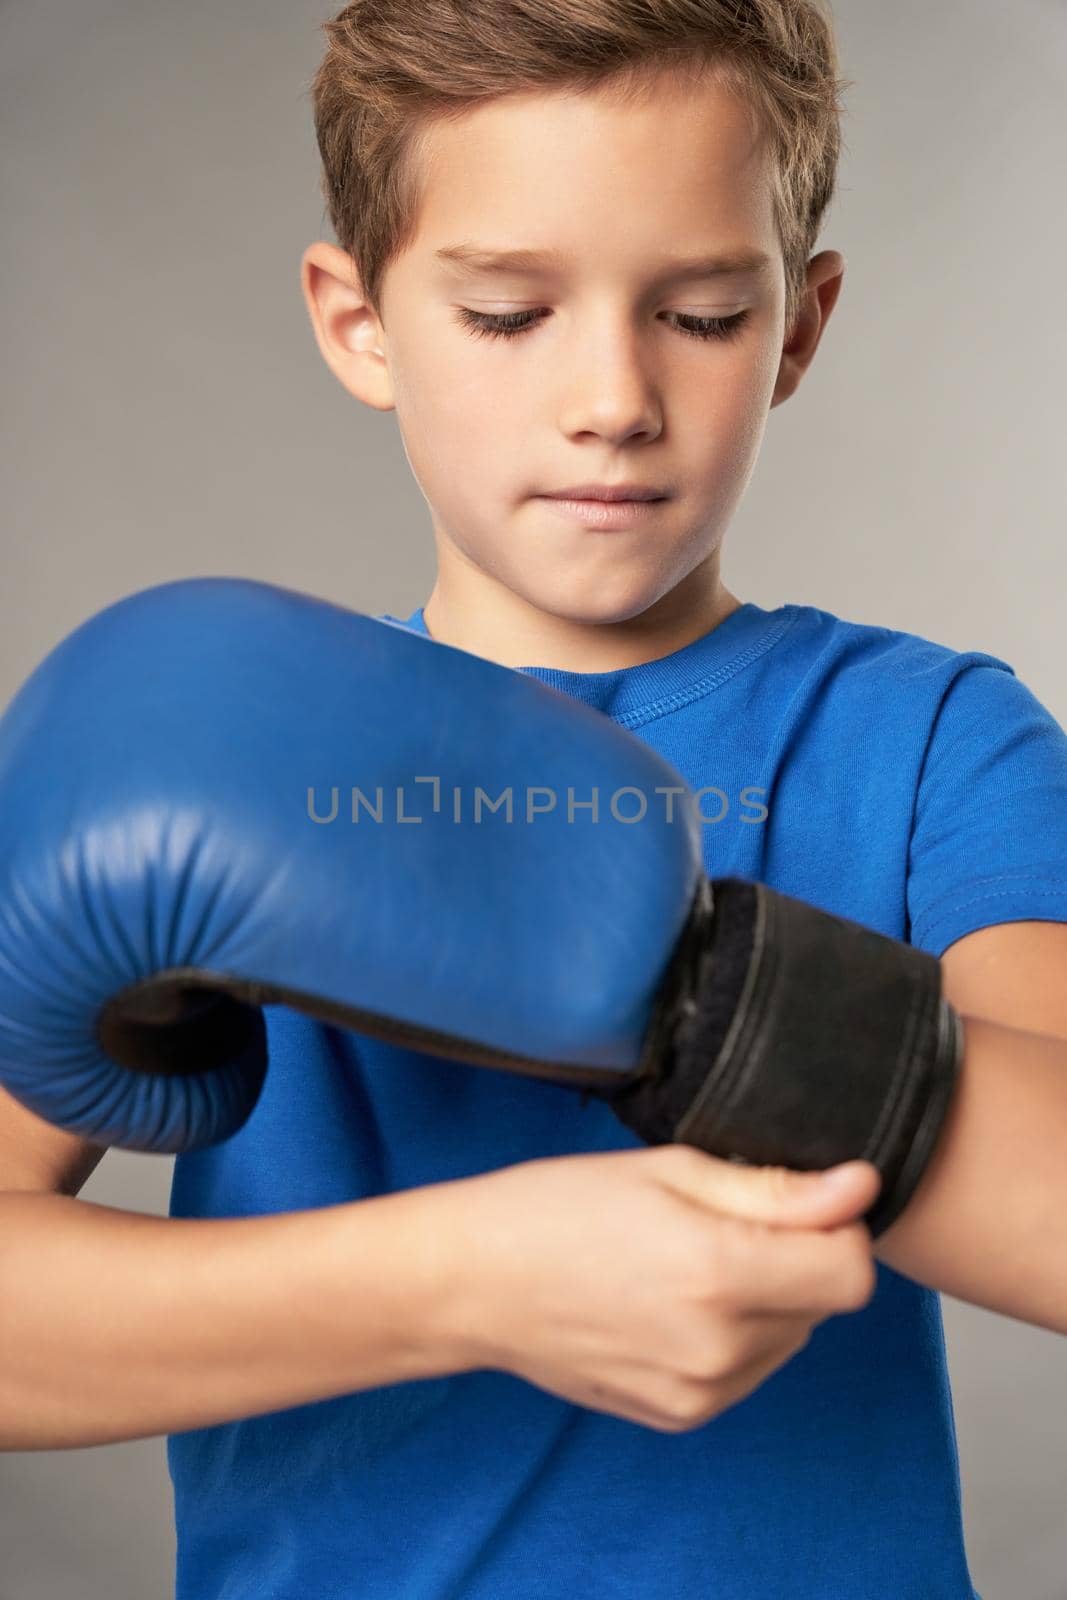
{"x": 155, "y": 772}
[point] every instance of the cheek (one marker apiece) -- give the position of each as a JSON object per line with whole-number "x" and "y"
{"x": 474, "y": 431}
{"x": 734, "y": 408}
{"x": 445, "y": 417}
{"x": 723, "y": 426}
{"x": 458, "y": 446}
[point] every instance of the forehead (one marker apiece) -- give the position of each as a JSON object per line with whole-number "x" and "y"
{"x": 579, "y": 169}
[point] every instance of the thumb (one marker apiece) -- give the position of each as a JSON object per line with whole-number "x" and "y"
{"x": 833, "y": 1195}
{"x": 784, "y": 1195}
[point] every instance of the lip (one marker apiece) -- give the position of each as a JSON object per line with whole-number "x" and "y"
{"x": 605, "y": 515}
{"x": 606, "y": 492}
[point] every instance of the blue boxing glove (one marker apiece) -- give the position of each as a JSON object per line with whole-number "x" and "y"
{"x": 217, "y": 794}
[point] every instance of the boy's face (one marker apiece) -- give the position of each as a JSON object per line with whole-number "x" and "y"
{"x": 605, "y": 386}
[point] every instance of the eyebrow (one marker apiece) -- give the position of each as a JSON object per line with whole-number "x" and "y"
{"x": 473, "y": 259}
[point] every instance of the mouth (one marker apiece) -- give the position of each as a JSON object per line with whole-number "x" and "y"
{"x": 605, "y": 500}
{"x": 605, "y": 515}
{"x": 606, "y": 494}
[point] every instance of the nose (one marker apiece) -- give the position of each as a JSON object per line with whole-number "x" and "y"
{"x": 610, "y": 392}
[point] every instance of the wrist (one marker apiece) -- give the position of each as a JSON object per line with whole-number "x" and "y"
{"x": 430, "y": 1244}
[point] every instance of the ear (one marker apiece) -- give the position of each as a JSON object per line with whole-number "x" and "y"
{"x": 347, "y": 331}
{"x": 825, "y": 275}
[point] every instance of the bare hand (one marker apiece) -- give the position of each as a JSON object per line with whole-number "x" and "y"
{"x": 661, "y": 1285}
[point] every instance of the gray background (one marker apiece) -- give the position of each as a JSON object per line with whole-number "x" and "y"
{"x": 166, "y": 413}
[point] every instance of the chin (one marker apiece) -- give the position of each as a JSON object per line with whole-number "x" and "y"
{"x": 589, "y": 606}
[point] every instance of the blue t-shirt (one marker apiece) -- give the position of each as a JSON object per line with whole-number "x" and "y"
{"x": 876, "y": 774}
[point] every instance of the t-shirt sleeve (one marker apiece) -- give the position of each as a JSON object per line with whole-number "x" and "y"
{"x": 989, "y": 832}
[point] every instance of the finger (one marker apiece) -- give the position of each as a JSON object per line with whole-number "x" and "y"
{"x": 772, "y": 1194}
{"x": 812, "y": 1273}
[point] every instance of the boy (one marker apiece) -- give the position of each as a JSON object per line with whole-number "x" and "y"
{"x": 859, "y": 768}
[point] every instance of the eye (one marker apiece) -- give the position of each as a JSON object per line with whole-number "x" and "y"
{"x": 483, "y": 323}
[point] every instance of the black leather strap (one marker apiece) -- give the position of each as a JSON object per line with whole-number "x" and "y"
{"x": 784, "y": 1035}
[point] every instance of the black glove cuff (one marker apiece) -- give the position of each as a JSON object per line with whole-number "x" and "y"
{"x": 786, "y": 1036}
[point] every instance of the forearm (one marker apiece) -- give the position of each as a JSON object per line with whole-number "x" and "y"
{"x": 988, "y": 1222}
{"x": 116, "y": 1325}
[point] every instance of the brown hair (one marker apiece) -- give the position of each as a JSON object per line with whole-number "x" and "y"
{"x": 393, "y": 67}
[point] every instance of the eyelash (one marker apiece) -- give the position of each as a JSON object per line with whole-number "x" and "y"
{"x": 483, "y": 323}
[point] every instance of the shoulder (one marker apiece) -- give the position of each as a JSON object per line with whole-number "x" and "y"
{"x": 875, "y": 648}
{"x": 889, "y": 680}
